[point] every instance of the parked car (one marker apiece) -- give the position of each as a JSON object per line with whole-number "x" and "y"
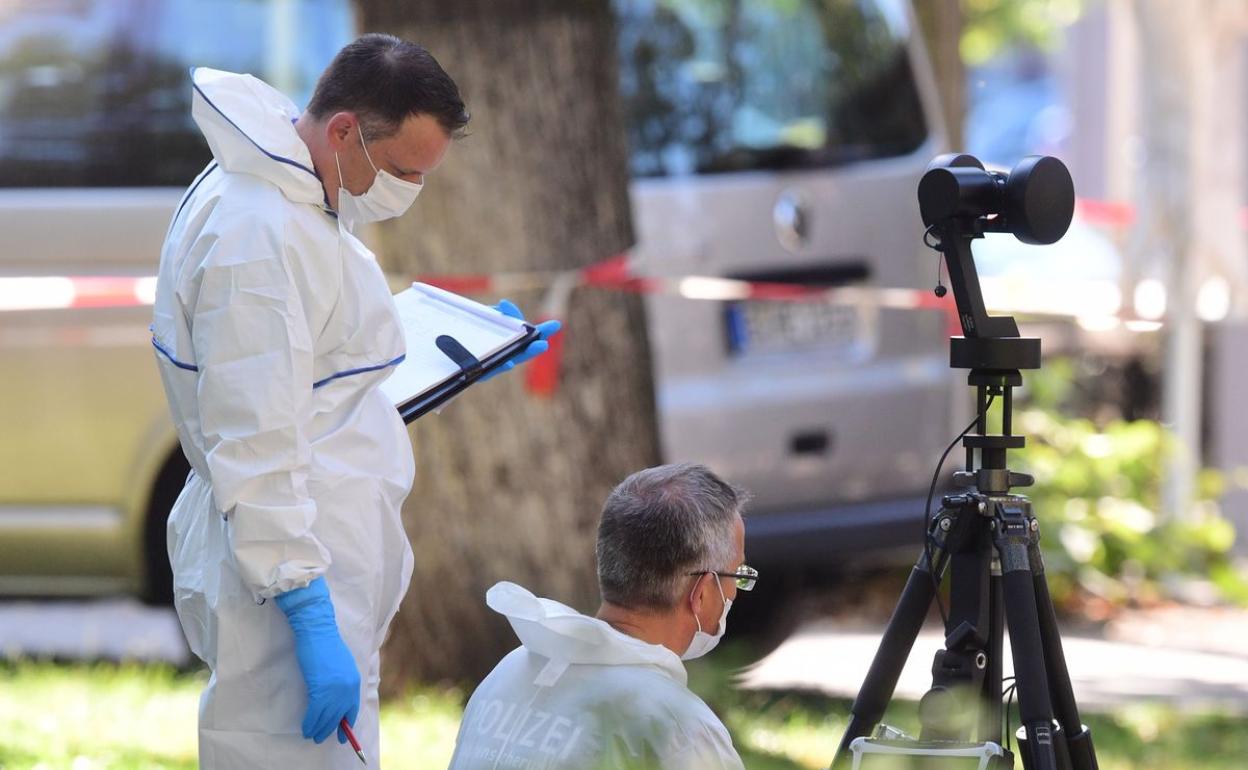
{"x": 96, "y": 147}
{"x": 784, "y": 142}
{"x": 769, "y": 141}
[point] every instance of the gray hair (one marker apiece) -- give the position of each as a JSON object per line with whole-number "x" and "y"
{"x": 659, "y": 525}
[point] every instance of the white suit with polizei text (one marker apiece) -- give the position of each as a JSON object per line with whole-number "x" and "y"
{"x": 580, "y": 695}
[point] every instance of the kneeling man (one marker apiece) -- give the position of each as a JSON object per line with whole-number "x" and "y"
{"x": 609, "y": 691}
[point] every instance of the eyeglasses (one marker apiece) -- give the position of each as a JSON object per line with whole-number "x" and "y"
{"x": 745, "y": 576}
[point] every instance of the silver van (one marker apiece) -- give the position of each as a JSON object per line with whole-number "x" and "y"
{"x": 770, "y": 142}
{"x": 784, "y": 142}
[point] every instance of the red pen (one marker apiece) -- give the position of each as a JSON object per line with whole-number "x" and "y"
{"x": 346, "y": 728}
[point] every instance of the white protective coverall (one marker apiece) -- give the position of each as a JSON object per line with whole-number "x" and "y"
{"x": 579, "y": 695}
{"x": 272, "y": 332}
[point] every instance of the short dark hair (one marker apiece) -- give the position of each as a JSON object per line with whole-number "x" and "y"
{"x": 383, "y": 80}
{"x": 659, "y": 525}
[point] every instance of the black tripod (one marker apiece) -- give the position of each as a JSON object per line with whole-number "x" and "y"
{"x": 985, "y": 537}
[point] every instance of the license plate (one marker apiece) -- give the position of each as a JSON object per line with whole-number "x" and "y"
{"x": 760, "y": 326}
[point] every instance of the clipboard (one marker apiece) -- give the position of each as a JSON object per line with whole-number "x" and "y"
{"x": 451, "y": 343}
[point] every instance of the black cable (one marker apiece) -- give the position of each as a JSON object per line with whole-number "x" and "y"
{"x": 927, "y": 509}
{"x": 1009, "y": 704}
{"x": 940, "y": 291}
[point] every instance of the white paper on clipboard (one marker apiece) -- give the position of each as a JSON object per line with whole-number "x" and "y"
{"x": 428, "y": 312}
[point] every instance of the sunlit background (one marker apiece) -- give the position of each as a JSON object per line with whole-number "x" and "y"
{"x": 779, "y": 294}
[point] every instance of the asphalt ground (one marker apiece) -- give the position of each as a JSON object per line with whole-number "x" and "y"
{"x": 1191, "y": 658}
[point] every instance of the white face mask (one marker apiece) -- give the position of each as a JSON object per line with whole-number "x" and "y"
{"x": 388, "y": 197}
{"x": 703, "y": 642}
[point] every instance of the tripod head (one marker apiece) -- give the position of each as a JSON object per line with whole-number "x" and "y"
{"x": 960, "y": 201}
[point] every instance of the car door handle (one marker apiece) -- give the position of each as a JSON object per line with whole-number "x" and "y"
{"x": 810, "y": 442}
{"x": 828, "y": 274}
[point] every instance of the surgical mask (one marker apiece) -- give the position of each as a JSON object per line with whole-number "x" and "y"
{"x": 388, "y": 197}
{"x": 703, "y": 642}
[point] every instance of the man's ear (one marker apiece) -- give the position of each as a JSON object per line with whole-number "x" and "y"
{"x": 699, "y": 594}
{"x": 339, "y": 130}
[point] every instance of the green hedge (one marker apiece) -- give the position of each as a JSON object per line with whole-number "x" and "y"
{"x": 1098, "y": 497}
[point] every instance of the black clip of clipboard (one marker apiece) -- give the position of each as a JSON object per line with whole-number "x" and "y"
{"x": 469, "y": 366}
{"x": 471, "y": 369}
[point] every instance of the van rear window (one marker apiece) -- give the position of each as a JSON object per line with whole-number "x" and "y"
{"x": 731, "y": 85}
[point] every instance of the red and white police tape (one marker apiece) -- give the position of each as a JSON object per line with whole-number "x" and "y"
{"x": 616, "y": 273}
{"x": 61, "y": 292}
{"x": 31, "y": 293}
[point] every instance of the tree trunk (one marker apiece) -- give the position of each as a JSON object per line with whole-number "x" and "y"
{"x": 1189, "y": 193}
{"x": 941, "y": 22}
{"x": 509, "y": 486}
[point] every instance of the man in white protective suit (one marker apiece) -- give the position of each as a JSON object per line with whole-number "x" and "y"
{"x": 586, "y": 693}
{"x": 273, "y": 328}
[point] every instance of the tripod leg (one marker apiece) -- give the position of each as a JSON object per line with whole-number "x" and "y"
{"x": 1013, "y": 539}
{"x": 903, "y": 628}
{"x": 990, "y": 724}
{"x": 1078, "y": 738}
{"x": 947, "y": 711}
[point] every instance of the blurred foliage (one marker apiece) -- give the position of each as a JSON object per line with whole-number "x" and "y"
{"x": 993, "y": 25}
{"x": 1098, "y": 494}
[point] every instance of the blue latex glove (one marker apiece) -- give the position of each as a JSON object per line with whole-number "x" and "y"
{"x": 545, "y": 330}
{"x": 329, "y": 671}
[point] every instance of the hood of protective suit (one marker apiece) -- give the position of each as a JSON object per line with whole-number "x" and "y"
{"x": 250, "y": 128}
{"x": 558, "y": 632}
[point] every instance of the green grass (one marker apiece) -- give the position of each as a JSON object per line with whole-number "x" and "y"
{"x": 89, "y": 717}
{"x": 142, "y": 717}
{"x": 419, "y": 730}
{"x": 136, "y": 717}
{"x": 806, "y": 729}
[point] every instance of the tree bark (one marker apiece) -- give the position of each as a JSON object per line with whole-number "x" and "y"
{"x": 941, "y": 22}
{"x": 1189, "y": 193}
{"x": 509, "y": 486}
